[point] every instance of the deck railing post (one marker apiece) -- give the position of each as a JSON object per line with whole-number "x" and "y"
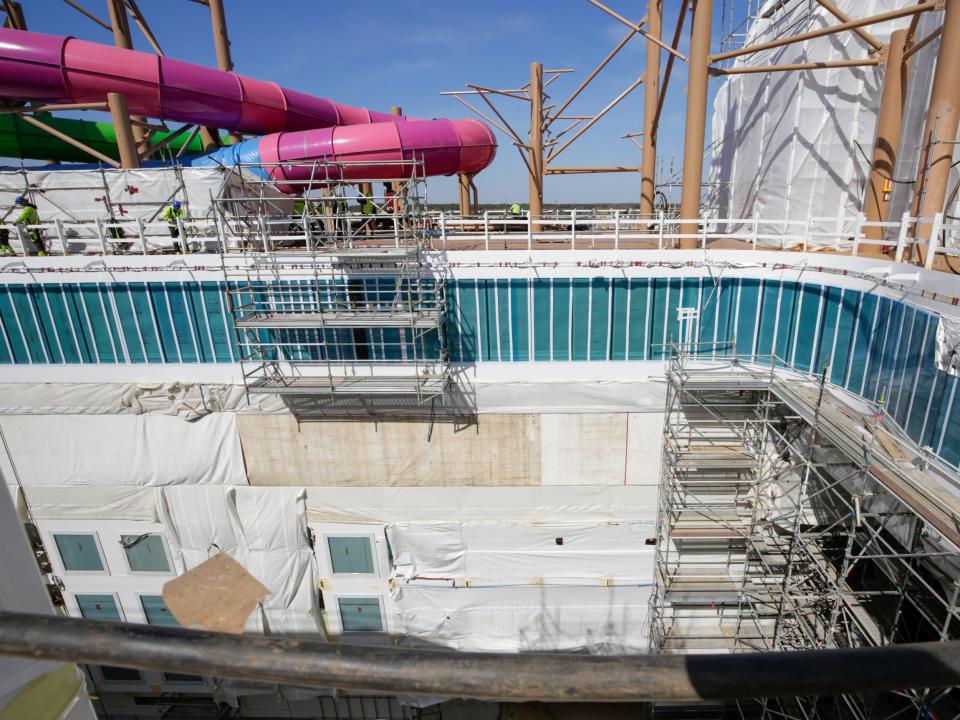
{"x": 143, "y": 239}
{"x": 754, "y": 232}
{"x": 902, "y": 236}
{"x": 103, "y": 243}
{"x": 529, "y": 231}
{"x": 934, "y": 241}
{"x": 184, "y": 245}
{"x": 858, "y": 233}
{"x": 616, "y": 229}
{"x": 660, "y": 218}
{"x": 60, "y": 236}
{"x": 573, "y": 228}
{"x": 486, "y": 229}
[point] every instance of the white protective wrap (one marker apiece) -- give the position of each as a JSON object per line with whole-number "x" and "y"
{"x": 948, "y": 345}
{"x": 124, "y": 450}
{"x": 92, "y": 502}
{"x": 454, "y": 504}
{"x": 496, "y": 551}
{"x": 264, "y": 529}
{"x": 608, "y": 620}
{"x": 796, "y": 145}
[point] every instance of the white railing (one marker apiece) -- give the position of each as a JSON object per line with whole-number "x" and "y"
{"x": 561, "y": 230}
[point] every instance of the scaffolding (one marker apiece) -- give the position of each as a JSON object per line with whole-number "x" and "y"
{"x": 329, "y": 301}
{"x": 788, "y": 520}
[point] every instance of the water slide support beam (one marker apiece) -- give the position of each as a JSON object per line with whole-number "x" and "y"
{"x": 885, "y": 146}
{"x": 651, "y": 92}
{"x": 121, "y": 38}
{"x": 126, "y": 144}
{"x": 15, "y": 17}
{"x": 221, "y": 43}
{"x": 696, "y": 120}
{"x": 940, "y": 131}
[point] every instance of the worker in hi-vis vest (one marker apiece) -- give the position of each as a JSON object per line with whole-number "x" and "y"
{"x": 28, "y": 216}
{"x": 171, "y": 214}
{"x": 516, "y": 210}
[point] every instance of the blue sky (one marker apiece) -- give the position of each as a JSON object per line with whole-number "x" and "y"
{"x": 406, "y": 52}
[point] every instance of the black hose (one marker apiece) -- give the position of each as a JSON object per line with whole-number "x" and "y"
{"x": 545, "y": 677}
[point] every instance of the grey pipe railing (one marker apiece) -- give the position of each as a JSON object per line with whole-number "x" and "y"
{"x": 550, "y": 677}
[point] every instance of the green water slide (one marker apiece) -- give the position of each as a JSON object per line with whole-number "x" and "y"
{"x": 19, "y": 139}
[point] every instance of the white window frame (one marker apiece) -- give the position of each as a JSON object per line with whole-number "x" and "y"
{"x": 372, "y": 539}
{"x": 61, "y": 567}
{"x": 362, "y": 596}
{"x": 166, "y": 554}
{"x": 143, "y": 611}
{"x": 101, "y": 680}
{"x": 116, "y": 601}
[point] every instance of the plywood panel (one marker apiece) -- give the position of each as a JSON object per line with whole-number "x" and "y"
{"x": 499, "y": 450}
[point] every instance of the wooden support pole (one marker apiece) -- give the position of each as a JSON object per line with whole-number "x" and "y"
{"x": 651, "y": 91}
{"x": 851, "y": 25}
{"x": 789, "y": 67}
{"x": 15, "y": 19}
{"x": 70, "y": 141}
{"x": 536, "y": 140}
{"x": 558, "y": 113}
{"x": 696, "y": 120}
{"x": 127, "y": 146}
{"x": 669, "y": 69}
{"x": 463, "y": 193}
{"x": 876, "y": 202}
{"x": 843, "y": 17}
{"x": 940, "y": 132}
{"x": 590, "y": 170}
{"x": 221, "y": 43}
{"x": 612, "y": 104}
{"x": 121, "y": 38}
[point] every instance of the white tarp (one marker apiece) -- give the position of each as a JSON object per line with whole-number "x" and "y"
{"x": 797, "y": 145}
{"x": 948, "y": 345}
{"x": 91, "y": 502}
{"x": 496, "y": 551}
{"x": 124, "y": 450}
{"x": 447, "y": 504}
{"x": 264, "y": 529}
{"x": 608, "y": 620}
{"x": 189, "y": 401}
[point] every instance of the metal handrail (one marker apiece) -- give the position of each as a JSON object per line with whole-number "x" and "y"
{"x": 549, "y": 677}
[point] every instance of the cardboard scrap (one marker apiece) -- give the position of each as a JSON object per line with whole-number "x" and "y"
{"x": 218, "y": 594}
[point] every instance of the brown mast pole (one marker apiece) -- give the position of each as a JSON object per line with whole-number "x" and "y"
{"x": 536, "y": 140}
{"x": 651, "y": 91}
{"x": 940, "y": 132}
{"x": 696, "y": 120}
{"x": 876, "y": 203}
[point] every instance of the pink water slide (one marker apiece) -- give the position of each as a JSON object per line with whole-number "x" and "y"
{"x": 296, "y": 127}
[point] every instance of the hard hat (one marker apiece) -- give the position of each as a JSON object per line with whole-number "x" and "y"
{"x": 176, "y": 204}
{"x": 20, "y": 200}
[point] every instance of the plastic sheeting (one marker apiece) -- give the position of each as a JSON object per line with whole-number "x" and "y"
{"x": 796, "y": 145}
{"x": 916, "y": 105}
{"x": 78, "y": 194}
{"x": 608, "y": 620}
{"x": 188, "y": 401}
{"x": 454, "y": 504}
{"x": 124, "y": 450}
{"x": 492, "y": 551}
{"x": 948, "y": 345}
{"x": 265, "y": 531}
{"x": 92, "y": 502}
